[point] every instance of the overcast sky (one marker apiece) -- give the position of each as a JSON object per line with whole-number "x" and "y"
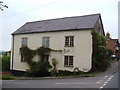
{"x": 22, "y": 11}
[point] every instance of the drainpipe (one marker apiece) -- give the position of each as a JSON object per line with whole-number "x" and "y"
{"x": 12, "y": 59}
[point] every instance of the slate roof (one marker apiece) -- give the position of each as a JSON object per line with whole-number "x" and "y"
{"x": 116, "y": 41}
{"x": 60, "y": 24}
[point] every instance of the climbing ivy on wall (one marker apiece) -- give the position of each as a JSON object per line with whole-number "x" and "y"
{"x": 27, "y": 55}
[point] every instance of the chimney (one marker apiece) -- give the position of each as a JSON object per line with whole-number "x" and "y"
{"x": 108, "y": 35}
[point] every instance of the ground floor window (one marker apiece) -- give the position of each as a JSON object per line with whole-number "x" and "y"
{"x": 68, "y": 60}
{"x": 46, "y": 57}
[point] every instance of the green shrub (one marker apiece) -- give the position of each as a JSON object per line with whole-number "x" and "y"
{"x": 0, "y": 64}
{"x": 101, "y": 57}
{"x": 64, "y": 73}
{"x": 41, "y": 69}
{"x": 102, "y": 60}
{"x": 8, "y": 77}
{"x": 5, "y": 63}
{"x": 110, "y": 52}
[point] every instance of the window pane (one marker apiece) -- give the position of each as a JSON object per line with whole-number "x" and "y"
{"x": 45, "y": 41}
{"x": 71, "y": 60}
{"x": 46, "y": 57}
{"x": 68, "y": 60}
{"x": 66, "y": 41}
{"x": 69, "y": 41}
{"x": 24, "y": 42}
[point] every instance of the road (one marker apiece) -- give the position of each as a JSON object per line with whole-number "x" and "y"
{"x": 110, "y": 81}
{"x": 106, "y": 80}
{"x": 113, "y": 81}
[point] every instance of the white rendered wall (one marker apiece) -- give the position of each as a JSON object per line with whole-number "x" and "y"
{"x": 82, "y": 50}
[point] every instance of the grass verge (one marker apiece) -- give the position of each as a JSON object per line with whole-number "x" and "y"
{"x": 8, "y": 77}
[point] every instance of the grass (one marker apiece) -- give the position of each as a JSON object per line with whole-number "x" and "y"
{"x": 8, "y": 77}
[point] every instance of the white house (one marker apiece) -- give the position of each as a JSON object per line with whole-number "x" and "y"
{"x": 72, "y": 35}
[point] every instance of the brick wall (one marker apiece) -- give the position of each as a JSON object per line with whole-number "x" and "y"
{"x": 110, "y": 43}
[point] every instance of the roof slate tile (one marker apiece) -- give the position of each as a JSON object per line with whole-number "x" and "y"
{"x": 60, "y": 24}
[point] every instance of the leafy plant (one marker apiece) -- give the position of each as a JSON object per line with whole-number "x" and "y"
{"x": 8, "y": 77}
{"x": 101, "y": 56}
{"x": 39, "y": 68}
{"x": 26, "y": 55}
{"x": 5, "y": 63}
{"x": 65, "y": 73}
{"x": 2, "y": 6}
{"x": 42, "y": 51}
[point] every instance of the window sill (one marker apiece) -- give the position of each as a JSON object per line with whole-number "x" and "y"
{"x": 22, "y": 61}
{"x": 68, "y": 46}
{"x": 68, "y": 66}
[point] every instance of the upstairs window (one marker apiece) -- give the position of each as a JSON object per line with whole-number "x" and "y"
{"x": 24, "y": 41}
{"x": 45, "y": 41}
{"x": 69, "y": 41}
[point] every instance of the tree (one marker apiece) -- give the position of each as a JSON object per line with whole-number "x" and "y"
{"x": 2, "y": 6}
{"x": 101, "y": 57}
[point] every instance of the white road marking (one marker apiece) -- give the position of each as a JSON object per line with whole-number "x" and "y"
{"x": 102, "y": 79}
{"x": 70, "y": 83}
{"x": 106, "y": 81}
{"x": 104, "y": 84}
{"x": 101, "y": 87}
{"x": 106, "y": 76}
{"x": 98, "y": 82}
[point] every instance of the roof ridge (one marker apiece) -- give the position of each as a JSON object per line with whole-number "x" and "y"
{"x": 64, "y": 18}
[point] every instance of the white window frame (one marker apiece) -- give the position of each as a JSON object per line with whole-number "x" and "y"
{"x": 69, "y": 41}
{"x": 46, "y": 41}
{"x": 24, "y": 42}
{"x": 68, "y": 62}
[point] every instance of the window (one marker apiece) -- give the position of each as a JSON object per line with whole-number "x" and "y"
{"x": 69, "y": 41}
{"x": 45, "y": 41}
{"x": 68, "y": 61}
{"x": 46, "y": 57}
{"x": 24, "y": 42}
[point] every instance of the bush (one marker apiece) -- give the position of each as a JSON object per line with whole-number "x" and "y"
{"x": 5, "y": 63}
{"x": 102, "y": 60}
{"x": 41, "y": 69}
{"x": 110, "y": 52}
{"x": 63, "y": 73}
{"x": 8, "y": 77}
{"x": 101, "y": 57}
